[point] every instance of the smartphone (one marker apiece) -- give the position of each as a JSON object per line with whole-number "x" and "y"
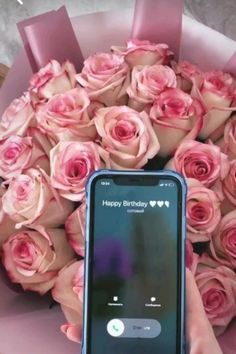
{"x": 135, "y": 263}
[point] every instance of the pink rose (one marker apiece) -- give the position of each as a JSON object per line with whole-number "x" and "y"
{"x": 185, "y": 72}
{"x": 65, "y": 116}
{"x": 52, "y": 79}
{"x": 203, "y": 211}
{"x": 7, "y": 226}
{"x": 75, "y": 229}
{"x": 144, "y": 53}
{"x": 127, "y": 136}
{"x": 217, "y": 286}
{"x": 17, "y": 117}
{"x": 30, "y": 199}
{"x": 191, "y": 257}
{"x": 105, "y": 77}
{"x": 223, "y": 245}
{"x": 33, "y": 260}
{"x": 94, "y": 107}
{"x": 229, "y": 145}
{"x": 18, "y": 154}
{"x": 229, "y": 189}
{"x": 176, "y": 117}
{"x": 216, "y": 91}
{"x": 147, "y": 82}
{"x": 204, "y": 162}
{"x": 72, "y": 163}
{"x": 68, "y": 291}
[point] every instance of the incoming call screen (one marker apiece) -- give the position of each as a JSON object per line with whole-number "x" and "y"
{"x": 134, "y": 279}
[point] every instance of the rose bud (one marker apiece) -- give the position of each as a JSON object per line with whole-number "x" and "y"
{"x": 216, "y": 92}
{"x": 147, "y": 82}
{"x": 127, "y": 136}
{"x": 142, "y": 52}
{"x": 228, "y": 186}
{"x": 18, "y": 154}
{"x": 17, "y": 117}
{"x": 204, "y": 162}
{"x": 176, "y": 117}
{"x": 7, "y": 226}
{"x": 185, "y": 73}
{"x": 217, "y": 286}
{"x": 52, "y": 79}
{"x": 105, "y": 77}
{"x": 191, "y": 257}
{"x": 223, "y": 245}
{"x": 75, "y": 229}
{"x": 65, "y": 117}
{"x": 68, "y": 291}
{"x": 34, "y": 260}
{"x": 203, "y": 211}
{"x": 30, "y": 199}
{"x": 72, "y": 163}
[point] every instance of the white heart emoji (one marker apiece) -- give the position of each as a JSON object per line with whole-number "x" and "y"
{"x": 160, "y": 203}
{"x": 167, "y": 203}
{"x": 152, "y": 203}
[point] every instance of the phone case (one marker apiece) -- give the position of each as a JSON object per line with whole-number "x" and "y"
{"x": 163, "y": 174}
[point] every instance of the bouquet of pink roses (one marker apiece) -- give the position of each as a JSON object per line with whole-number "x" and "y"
{"x": 131, "y": 108}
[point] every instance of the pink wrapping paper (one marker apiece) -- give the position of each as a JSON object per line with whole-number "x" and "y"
{"x": 23, "y": 315}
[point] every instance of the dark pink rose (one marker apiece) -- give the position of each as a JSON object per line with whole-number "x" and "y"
{"x": 127, "y": 136}
{"x": 52, "y": 79}
{"x": 217, "y": 286}
{"x": 176, "y": 116}
{"x": 147, "y": 82}
{"x": 72, "y": 163}
{"x": 204, "y": 162}
{"x": 203, "y": 211}
{"x": 33, "y": 260}
{"x": 216, "y": 91}
{"x": 105, "y": 77}
{"x": 68, "y": 291}
{"x": 65, "y": 117}
{"x": 30, "y": 199}
{"x": 223, "y": 245}
{"x": 17, "y": 117}
{"x": 142, "y": 52}
{"x": 75, "y": 229}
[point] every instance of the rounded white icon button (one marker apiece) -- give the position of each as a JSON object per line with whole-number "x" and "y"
{"x": 115, "y": 328}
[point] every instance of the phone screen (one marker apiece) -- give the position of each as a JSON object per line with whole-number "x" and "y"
{"x": 135, "y": 265}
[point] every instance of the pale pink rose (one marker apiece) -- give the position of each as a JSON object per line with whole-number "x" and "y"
{"x": 75, "y": 229}
{"x": 142, "y": 52}
{"x": 147, "y": 82}
{"x": 7, "y": 226}
{"x": 223, "y": 245}
{"x": 204, "y": 162}
{"x": 52, "y": 79}
{"x": 202, "y": 211}
{"x": 229, "y": 189}
{"x": 185, "y": 72}
{"x": 229, "y": 144}
{"x": 17, "y": 117}
{"x": 217, "y": 286}
{"x": 18, "y": 154}
{"x": 94, "y": 107}
{"x": 127, "y": 136}
{"x": 216, "y": 91}
{"x": 34, "y": 260}
{"x": 30, "y": 199}
{"x": 176, "y": 116}
{"x": 65, "y": 116}
{"x": 68, "y": 291}
{"x": 72, "y": 163}
{"x": 191, "y": 257}
{"x": 105, "y": 77}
